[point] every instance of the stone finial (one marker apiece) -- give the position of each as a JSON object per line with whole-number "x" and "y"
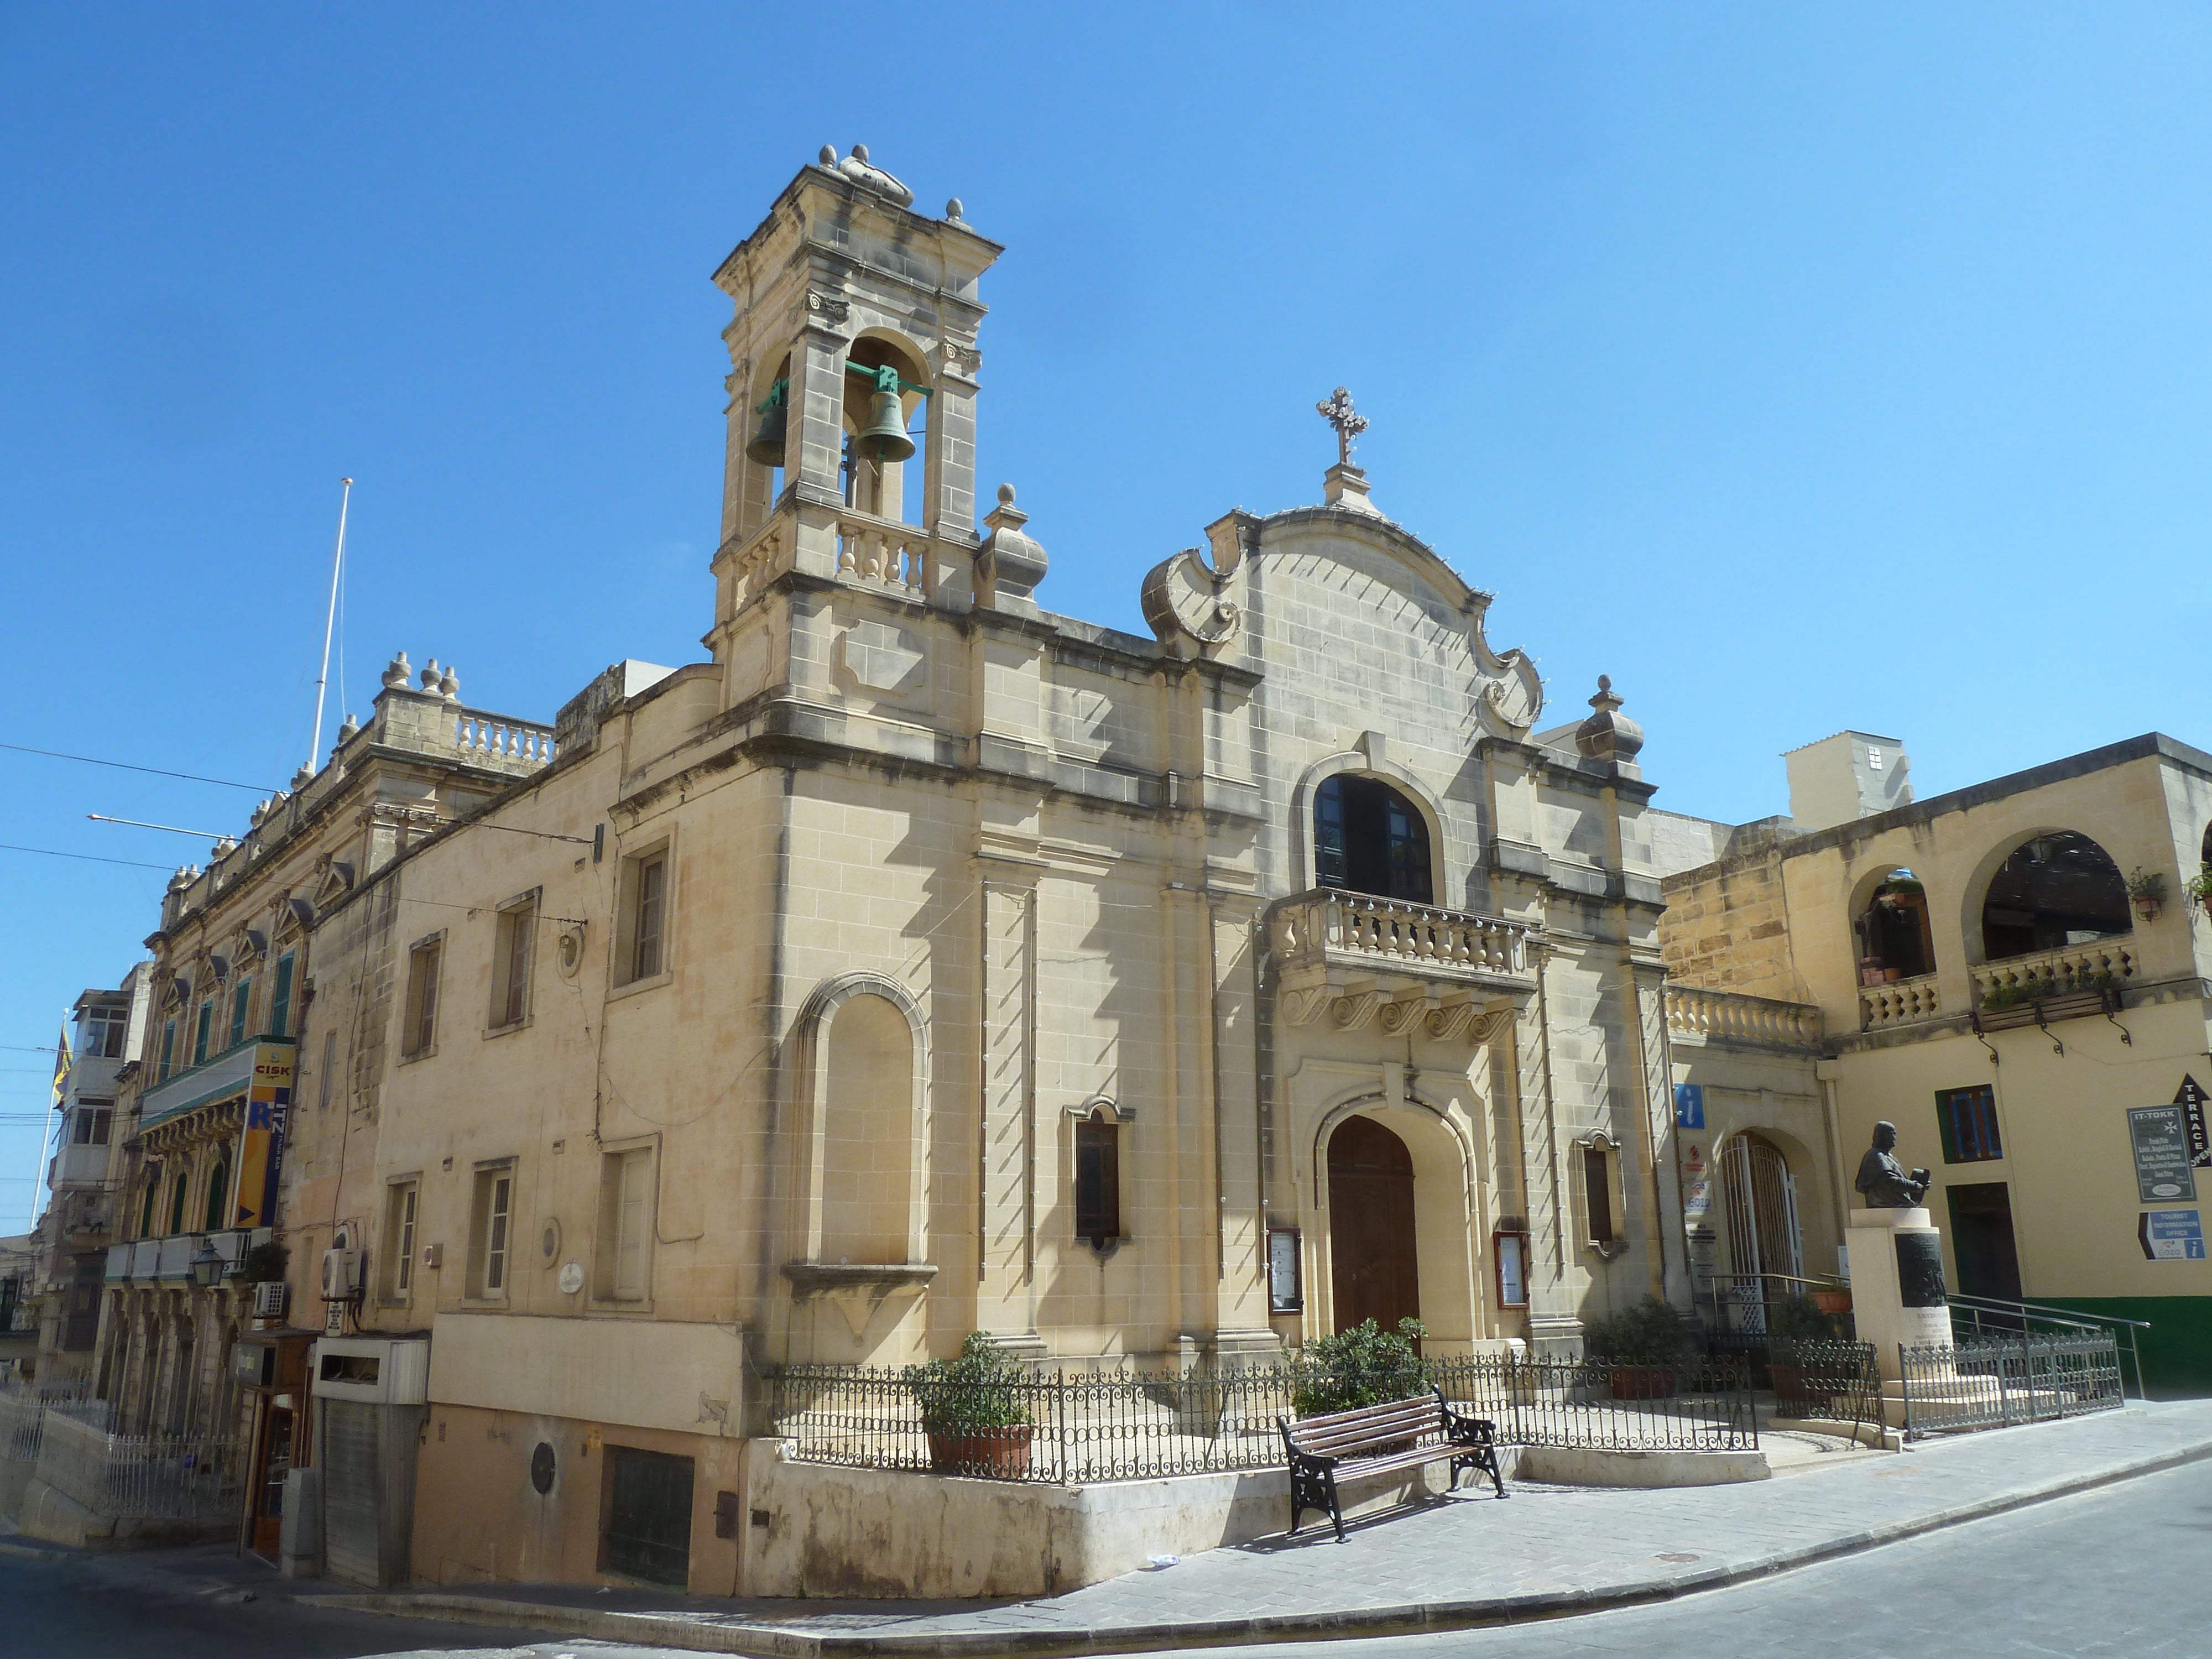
{"x": 1608, "y": 734}
{"x": 400, "y": 671}
{"x": 449, "y": 684}
{"x": 430, "y": 675}
{"x": 348, "y": 732}
{"x": 1010, "y": 564}
{"x": 828, "y": 158}
{"x": 952, "y": 210}
{"x": 857, "y": 167}
{"x": 302, "y": 778}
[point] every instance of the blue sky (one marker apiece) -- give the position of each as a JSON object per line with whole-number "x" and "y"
{"x": 1799, "y": 368}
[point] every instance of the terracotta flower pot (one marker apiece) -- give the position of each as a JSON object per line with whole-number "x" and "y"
{"x": 1001, "y": 1454}
{"x": 1642, "y": 1381}
{"x": 1832, "y": 1302}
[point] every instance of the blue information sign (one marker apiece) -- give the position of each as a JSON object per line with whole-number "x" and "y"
{"x": 2172, "y": 1234}
{"x": 1689, "y": 1105}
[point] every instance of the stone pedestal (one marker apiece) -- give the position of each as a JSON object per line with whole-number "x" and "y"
{"x": 1896, "y": 1284}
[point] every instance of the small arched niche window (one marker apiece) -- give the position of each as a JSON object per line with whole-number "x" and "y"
{"x": 1368, "y": 838}
{"x": 1098, "y": 1178}
{"x": 2055, "y": 890}
{"x": 1894, "y": 939}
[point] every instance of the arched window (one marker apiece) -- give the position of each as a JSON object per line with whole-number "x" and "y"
{"x": 1894, "y": 939}
{"x": 177, "y": 1205}
{"x": 2055, "y": 890}
{"x": 1368, "y": 838}
{"x": 868, "y": 1133}
{"x": 218, "y": 1195}
{"x": 153, "y": 1197}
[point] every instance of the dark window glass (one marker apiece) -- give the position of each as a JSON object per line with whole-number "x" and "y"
{"x": 644, "y": 961}
{"x": 1597, "y": 1188}
{"x": 2054, "y": 891}
{"x": 1966, "y": 1119}
{"x": 218, "y": 1196}
{"x": 1368, "y": 838}
{"x": 168, "y": 1046}
{"x": 1097, "y": 1179}
{"x": 177, "y": 1207}
{"x": 205, "y": 1031}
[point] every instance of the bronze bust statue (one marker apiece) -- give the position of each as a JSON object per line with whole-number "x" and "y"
{"x": 1883, "y": 1182}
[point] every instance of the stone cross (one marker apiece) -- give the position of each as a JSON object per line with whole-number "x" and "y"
{"x": 1336, "y": 409}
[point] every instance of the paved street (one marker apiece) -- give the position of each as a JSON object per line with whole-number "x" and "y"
{"x": 2118, "y": 1571}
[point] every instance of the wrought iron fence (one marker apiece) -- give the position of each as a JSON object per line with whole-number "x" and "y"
{"x": 1751, "y": 1314}
{"x": 23, "y": 1409}
{"x": 1993, "y": 1380}
{"x": 1832, "y": 1381}
{"x": 179, "y": 1477}
{"x": 1082, "y": 1427}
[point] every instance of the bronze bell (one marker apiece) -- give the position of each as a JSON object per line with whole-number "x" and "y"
{"x": 766, "y": 447}
{"x": 884, "y": 438}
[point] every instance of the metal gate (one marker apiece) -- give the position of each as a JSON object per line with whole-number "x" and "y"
{"x": 1761, "y": 1198}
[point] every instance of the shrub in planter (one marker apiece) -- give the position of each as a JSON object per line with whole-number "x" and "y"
{"x": 265, "y": 1261}
{"x": 972, "y": 1412}
{"x": 1366, "y": 1366}
{"x": 1642, "y": 1347}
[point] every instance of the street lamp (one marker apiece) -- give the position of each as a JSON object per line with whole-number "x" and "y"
{"x": 207, "y": 1265}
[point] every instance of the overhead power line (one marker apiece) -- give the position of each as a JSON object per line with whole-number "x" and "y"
{"x": 125, "y": 766}
{"x": 48, "y": 852}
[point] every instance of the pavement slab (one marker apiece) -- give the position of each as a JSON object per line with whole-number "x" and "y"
{"x": 1459, "y": 1561}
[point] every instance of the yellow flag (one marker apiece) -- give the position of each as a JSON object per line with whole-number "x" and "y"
{"x": 61, "y": 1065}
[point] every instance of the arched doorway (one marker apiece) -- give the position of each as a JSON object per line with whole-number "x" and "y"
{"x": 1374, "y": 1267}
{"x": 1761, "y": 1196}
{"x": 1368, "y": 838}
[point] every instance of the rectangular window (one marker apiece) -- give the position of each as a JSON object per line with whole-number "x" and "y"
{"x": 510, "y": 968}
{"x": 1512, "y": 1269}
{"x": 280, "y": 998}
{"x": 329, "y": 1064}
{"x": 1597, "y": 1192}
{"x": 1098, "y": 1178}
{"x": 626, "y": 1222}
{"x": 92, "y": 1125}
{"x": 1966, "y": 1119}
{"x": 104, "y": 1032}
{"x": 648, "y": 894}
{"x": 419, "y": 1034}
{"x": 242, "y": 1000}
{"x": 168, "y": 1046}
{"x": 489, "y": 1221}
{"x": 204, "y": 1031}
{"x": 399, "y": 1231}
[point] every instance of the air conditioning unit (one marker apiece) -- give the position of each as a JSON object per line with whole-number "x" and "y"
{"x": 341, "y": 1275}
{"x": 269, "y": 1298}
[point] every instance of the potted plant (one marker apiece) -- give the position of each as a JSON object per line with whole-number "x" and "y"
{"x": 1366, "y": 1365}
{"x": 1641, "y": 1348}
{"x": 1792, "y": 1320}
{"x": 2146, "y": 891}
{"x": 1833, "y": 1300}
{"x": 972, "y": 1413}
{"x": 2199, "y": 887}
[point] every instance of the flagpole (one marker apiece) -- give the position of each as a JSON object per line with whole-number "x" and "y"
{"x": 46, "y": 1134}
{"x": 330, "y": 618}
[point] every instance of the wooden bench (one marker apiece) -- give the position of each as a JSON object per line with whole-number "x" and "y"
{"x": 1404, "y": 1434}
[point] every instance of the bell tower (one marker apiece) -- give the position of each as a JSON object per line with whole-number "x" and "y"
{"x": 856, "y": 318}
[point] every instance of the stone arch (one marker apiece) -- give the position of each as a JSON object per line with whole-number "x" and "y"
{"x": 863, "y": 1086}
{"x": 1360, "y": 762}
{"x": 2034, "y": 887}
{"x": 1892, "y": 922}
{"x": 1445, "y": 1213}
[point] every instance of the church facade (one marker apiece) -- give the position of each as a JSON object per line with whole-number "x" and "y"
{"x": 926, "y": 962}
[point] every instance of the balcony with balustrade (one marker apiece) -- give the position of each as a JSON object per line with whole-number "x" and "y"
{"x": 1699, "y": 1016}
{"x": 1351, "y": 959}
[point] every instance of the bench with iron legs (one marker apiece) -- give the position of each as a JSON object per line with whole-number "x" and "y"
{"x": 1404, "y": 1434}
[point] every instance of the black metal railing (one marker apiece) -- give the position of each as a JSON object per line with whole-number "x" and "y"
{"x": 1747, "y": 1314}
{"x": 1082, "y": 1427}
{"x": 1983, "y": 1318}
{"x": 1996, "y": 1380}
{"x": 1829, "y": 1381}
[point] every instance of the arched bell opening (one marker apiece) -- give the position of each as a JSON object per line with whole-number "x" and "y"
{"x": 1894, "y": 939}
{"x": 772, "y": 434}
{"x": 1369, "y": 838}
{"x": 2054, "y": 890}
{"x": 886, "y": 386}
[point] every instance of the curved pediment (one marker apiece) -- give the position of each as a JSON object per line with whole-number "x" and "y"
{"x": 1356, "y": 565}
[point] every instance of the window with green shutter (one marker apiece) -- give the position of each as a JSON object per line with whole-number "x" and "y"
{"x": 280, "y": 999}
{"x": 240, "y": 1001}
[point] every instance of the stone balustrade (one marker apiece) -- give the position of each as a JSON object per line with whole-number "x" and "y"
{"x": 1899, "y": 1002}
{"x": 1732, "y": 1017}
{"x": 495, "y": 737}
{"x": 2101, "y": 965}
{"x": 883, "y": 553}
{"x": 1393, "y": 935}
